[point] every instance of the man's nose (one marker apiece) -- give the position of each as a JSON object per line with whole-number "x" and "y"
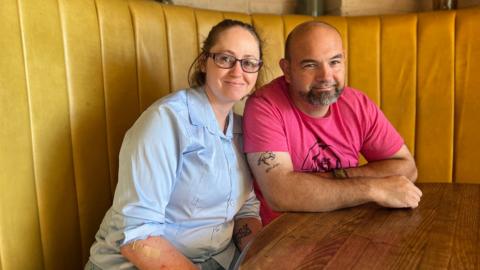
{"x": 324, "y": 73}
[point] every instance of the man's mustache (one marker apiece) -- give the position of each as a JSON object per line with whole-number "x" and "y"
{"x": 324, "y": 85}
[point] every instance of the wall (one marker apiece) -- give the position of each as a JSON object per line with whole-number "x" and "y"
{"x": 244, "y": 6}
{"x": 374, "y": 7}
{"x": 377, "y": 7}
{"x": 328, "y": 7}
{"x": 468, "y": 3}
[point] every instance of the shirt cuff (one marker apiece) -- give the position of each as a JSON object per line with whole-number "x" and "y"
{"x": 142, "y": 232}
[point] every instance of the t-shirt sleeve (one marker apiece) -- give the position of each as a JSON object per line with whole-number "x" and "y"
{"x": 263, "y": 126}
{"x": 381, "y": 139}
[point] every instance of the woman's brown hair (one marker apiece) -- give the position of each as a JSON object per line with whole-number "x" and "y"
{"x": 198, "y": 77}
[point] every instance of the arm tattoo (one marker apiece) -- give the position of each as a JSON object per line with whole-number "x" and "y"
{"x": 241, "y": 233}
{"x": 268, "y": 159}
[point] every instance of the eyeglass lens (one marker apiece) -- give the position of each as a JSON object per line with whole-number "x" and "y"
{"x": 228, "y": 61}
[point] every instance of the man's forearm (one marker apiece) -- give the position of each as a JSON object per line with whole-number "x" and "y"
{"x": 287, "y": 190}
{"x": 245, "y": 230}
{"x": 313, "y": 193}
{"x": 399, "y": 164}
{"x": 384, "y": 168}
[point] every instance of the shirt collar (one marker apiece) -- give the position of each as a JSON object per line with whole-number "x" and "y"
{"x": 201, "y": 113}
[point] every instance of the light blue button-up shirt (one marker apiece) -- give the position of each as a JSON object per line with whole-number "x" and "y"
{"x": 180, "y": 177}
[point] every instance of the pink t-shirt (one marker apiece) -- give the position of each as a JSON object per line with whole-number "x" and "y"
{"x": 353, "y": 125}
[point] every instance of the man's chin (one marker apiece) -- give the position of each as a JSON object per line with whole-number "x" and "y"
{"x": 324, "y": 98}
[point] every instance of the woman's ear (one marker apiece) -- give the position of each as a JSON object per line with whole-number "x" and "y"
{"x": 202, "y": 62}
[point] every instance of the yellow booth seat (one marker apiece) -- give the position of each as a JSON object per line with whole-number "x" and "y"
{"x": 75, "y": 75}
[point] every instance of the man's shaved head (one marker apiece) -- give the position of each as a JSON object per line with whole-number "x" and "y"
{"x": 314, "y": 66}
{"x": 303, "y": 29}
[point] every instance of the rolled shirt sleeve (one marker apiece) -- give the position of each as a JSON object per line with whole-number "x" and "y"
{"x": 147, "y": 172}
{"x": 180, "y": 177}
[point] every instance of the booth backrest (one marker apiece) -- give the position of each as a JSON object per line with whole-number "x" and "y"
{"x": 75, "y": 74}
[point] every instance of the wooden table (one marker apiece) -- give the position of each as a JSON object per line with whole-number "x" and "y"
{"x": 442, "y": 233}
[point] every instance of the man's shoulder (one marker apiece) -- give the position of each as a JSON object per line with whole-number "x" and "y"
{"x": 275, "y": 93}
{"x": 350, "y": 91}
{"x": 354, "y": 96}
{"x": 272, "y": 89}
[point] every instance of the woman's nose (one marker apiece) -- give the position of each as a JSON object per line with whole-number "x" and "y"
{"x": 237, "y": 68}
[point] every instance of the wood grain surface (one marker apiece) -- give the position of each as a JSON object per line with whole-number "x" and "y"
{"x": 442, "y": 233}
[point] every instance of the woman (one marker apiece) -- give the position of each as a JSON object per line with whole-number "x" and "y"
{"x": 184, "y": 189}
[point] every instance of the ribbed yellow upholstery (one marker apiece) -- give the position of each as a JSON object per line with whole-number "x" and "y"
{"x": 467, "y": 97}
{"x": 19, "y": 214}
{"x": 54, "y": 105}
{"x": 122, "y": 105}
{"x": 206, "y": 19}
{"x": 238, "y": 16}
{"x": 364, "y": 32}
{"x": 291, "y": 21}
{"x": 435, "y": 96}
{"x": 86, "y": 109}
{"x": 271, "y": 29}
{"x": 398, "y": 67}
{"x": 152, "y": 58}
{"x": 180, "y": 23}
{"x": 75, "y": 75}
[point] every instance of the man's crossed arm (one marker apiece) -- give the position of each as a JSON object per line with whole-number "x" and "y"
{"x": 388, "y": 182}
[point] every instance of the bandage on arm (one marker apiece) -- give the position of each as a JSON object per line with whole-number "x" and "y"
{"x": 155, "y": 253}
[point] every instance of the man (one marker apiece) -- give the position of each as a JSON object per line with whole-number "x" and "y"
{"x": 304, "y": 132}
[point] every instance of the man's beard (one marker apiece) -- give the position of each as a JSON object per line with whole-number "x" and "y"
{"x": 323, "y": 97}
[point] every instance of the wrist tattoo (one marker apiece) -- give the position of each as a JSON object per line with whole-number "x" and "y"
{"x": 268, "y": 159}
{"x": 241, "y": 233}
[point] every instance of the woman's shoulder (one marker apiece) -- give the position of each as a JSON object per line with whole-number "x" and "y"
{"x": 163, "y": 122}
{"x": 176, "y": 101}
{"x": 168, "y": 110}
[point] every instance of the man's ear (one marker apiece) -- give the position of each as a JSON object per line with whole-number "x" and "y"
{"x": 285, "y": 66}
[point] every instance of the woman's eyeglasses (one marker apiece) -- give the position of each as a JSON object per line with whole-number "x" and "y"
{"x": 227, "y": 61}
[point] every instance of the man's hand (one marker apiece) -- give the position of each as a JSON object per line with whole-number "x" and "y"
{"x": 395, "y": 192}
